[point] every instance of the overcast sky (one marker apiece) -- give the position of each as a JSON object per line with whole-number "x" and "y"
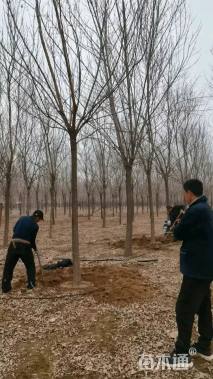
{"x": 202, "y": 13}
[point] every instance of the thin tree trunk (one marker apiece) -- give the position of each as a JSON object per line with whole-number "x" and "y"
{"x": 45, "y": 202}
{"x": 52, "y": 205}
{"x": 37, "y": 197}
{"x": 113, "y": 206}
{"x": 55, "y": 203}
{"x": 75, "y": 235}
{"x": 157, "y": 203}
{"x": 101, "y": 204}
{"x": 166, "y": 183}
{"x": 88, "y": 206}
{"x": 104, "y": 204}
{"x": 137, "y": 204}
{"x": 133, "y": 204}
{"x": 129, "y": 203}
{"x": 1, "y": 210}
{"x": 70, "y": 203}
{"x": 142, "y": 204}
{"x": 64, "y": 202}
{"x": 151, "y": 206}
{"x": 120, "y": 205}
{"x": 7, "y": 207}
{"x": 93, "y": 204}
{"x": 28, "y": 202}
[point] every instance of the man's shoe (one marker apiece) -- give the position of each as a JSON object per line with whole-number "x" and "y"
{"x": 177, "y": 361}
{"x": 6, "y": 290}
{"x": 30, "y": 286}
{"x": 197, "y": 350}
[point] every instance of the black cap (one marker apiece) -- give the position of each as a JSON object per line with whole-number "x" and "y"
{"x": 38, "y": 213}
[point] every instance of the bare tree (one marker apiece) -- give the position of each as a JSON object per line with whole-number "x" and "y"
{"x": 11, "y": 103}
{"x": 59, "y": 59}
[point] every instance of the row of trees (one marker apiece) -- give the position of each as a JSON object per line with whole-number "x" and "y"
{"x": 96, "y": 92}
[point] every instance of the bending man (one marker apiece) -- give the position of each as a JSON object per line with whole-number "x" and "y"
{"x": 23, "y": 241}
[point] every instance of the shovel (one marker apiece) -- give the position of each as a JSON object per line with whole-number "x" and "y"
{"x": 40, "y": 265}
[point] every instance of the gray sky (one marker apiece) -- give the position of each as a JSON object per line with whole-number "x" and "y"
{"x": 202, "y": 13}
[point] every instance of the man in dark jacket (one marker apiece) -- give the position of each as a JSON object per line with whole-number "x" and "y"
{"x": 195, "y": 229}
{"x": 23, "y": 241}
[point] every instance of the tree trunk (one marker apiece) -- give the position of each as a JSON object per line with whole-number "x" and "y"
{"x": 101, "y": 204}
{"x": 64, "y": 202}
{"x": 45, "y": 202}
{"x": 133, "y": 204}
{"x": 52, "y": 205}
{"x": 93, "y": 204}
{"x": 74, "y": 190}
{"x": 55, "y": 203}
{"x": 157, "y": 203}
{"x": 113, "y": 206}
{"x": 70, "y": 203}
{"x": 129, "y": 204}
{"x": 120, "y": 205}
{"x": 137, "y": 204}
{"x": 142, "y": 204}
{"x": 151, "y": 206}
{"x": 104, "y": 204}
{"x": 1, "y": 210}
{"x": 7, "y": 207}
{"x": 166, "y": 183}
{"x": 37, "y": 198}
{"x": 28, "y": 201}
{"x": 88, "y": 206}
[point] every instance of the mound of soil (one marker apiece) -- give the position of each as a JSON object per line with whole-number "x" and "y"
{"x": 144, "y": 242}
{"x": 108, "y": 284}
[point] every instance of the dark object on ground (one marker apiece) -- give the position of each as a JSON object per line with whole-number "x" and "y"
{"x": 60, "y": 264}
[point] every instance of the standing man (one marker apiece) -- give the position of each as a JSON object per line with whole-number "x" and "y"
{"x": 195, "y": 229}
{"x": 23, "y": 241}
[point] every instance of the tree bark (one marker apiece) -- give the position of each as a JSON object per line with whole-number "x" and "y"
{"x": 52, "y": 205}
{"x": 7, "y": 206}
{"x": 37, "y": 197}
{"x": 151, "y": 206}
{"x": 120, "y": 205}
{"x": 28, "y": 201}
{"x": 157, "y": 203}
{"x": 166, "y": 183}
{"x": 1, "y": 210}
{"x": 129, "y": 203}
{"x": 74, "y": 190}
{"x": 104, "y": 204}
{"x": 101, "y": 204}
{"x": 88, "y": 206}
{"x": 70, "y": 203}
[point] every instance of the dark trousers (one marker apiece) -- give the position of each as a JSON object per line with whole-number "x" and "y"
{"x": 14, "y": 253}
{"x": 194, "y": 298}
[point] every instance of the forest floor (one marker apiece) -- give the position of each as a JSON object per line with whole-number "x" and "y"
{"x": 123, "y": 309}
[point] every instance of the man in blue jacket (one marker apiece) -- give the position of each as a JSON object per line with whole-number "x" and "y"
{"x": 195, "y": 229}
{"x": 23, "y": 241}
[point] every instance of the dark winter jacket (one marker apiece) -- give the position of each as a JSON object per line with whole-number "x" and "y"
{"x": 196, "y": 232}
{"x": 26, "y": 228}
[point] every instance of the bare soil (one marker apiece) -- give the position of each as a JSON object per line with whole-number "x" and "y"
{"x": 123, "y": 308}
